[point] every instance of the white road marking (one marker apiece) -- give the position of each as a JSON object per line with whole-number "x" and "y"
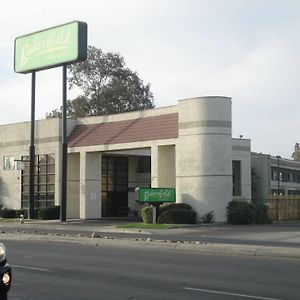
{"x": 31, "y": 268}
{"x": 229, "y": 294}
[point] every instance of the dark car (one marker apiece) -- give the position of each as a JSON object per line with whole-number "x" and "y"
{"x": 5, "y": 273}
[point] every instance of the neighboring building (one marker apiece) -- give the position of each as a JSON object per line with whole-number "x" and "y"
{"x": 274, "y": 175}
{"x": 188, "y": 147}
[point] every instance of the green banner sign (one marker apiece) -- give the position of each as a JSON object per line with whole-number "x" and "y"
{"x": 156, "y": 195}
{"x": 51, "y": 47}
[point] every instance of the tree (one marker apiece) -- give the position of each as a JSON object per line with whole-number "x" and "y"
{"x": 76, "y": 108}
{"x": 108, "y": 87}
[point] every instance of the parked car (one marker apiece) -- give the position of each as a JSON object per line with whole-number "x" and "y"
{"x": 5, "y": 273}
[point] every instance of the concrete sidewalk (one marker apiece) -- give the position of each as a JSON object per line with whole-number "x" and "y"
{"x": 277, "y": 239}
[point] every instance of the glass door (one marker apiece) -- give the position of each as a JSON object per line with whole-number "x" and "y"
{"x": 114, "y": 186}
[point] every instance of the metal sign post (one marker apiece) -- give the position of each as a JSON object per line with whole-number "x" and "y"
{"x": 32, "y": 152}
{"x": 45, "y": 49}
{"x": 64, "y": 146}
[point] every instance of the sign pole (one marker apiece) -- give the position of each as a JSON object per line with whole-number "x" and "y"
{"x": 63, "y": 208}
{"x": 32, "y": 151}
{"x": 67, "y": 44}
{"x": 154, "y": 213}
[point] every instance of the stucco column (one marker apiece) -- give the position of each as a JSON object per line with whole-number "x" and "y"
{"x": 203, "y": 155}
{"x": 166, "y": 166}
{"x": 90, "y": 185}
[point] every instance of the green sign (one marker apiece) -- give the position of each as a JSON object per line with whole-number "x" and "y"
{"x": 156, "y": 195}
{"x": 51, "y": 47}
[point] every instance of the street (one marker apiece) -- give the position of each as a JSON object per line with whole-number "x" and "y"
{"x": 56, "y": 270}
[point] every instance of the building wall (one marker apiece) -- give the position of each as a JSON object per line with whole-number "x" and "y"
{"x": 198, "y": 163}
{"x": 15, "y": 140}
{"x": 263, "y": 164}
{"x": 241, "y": 151}
{"x": 204, "y": 155}
{"x": 287, "y": 168}
{"x": 73, "y": 185}
{"x": 90, "y": 185}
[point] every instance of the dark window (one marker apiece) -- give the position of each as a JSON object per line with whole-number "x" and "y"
{"x": 44, "y": 181}
{"x": 144, "y": 164}
{"x": 274, "y": 175}
{"x": 236, "y": 178}
{"x": 286, "y": 177}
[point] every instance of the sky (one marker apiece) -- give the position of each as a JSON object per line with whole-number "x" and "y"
{"x": 244, "y": 49}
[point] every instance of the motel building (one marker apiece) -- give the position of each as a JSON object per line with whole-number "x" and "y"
{"x": 188, "y": 146}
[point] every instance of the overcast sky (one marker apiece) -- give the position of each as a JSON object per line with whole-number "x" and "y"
{"x": 244, "y": 49}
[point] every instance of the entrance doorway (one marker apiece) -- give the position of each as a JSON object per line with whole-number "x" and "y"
{"x": 114, "y": 186}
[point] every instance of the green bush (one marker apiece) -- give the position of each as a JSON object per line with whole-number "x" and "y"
{"x": 261, "y": 214}
{"x": 147, "y": 215}
{"x": 49, "y": 213}
{"x": 177, "y": 216}
{"x": 166, "y": 207}
{"x": 240, "y": 212}
{"x": 7, "y": 213}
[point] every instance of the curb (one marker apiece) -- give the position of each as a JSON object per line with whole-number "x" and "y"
{"x": 175, "y": 246}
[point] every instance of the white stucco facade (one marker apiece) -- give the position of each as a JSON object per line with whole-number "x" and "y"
{"x": 196, "y": 159}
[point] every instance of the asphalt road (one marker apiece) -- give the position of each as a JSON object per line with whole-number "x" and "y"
{"x": 45, "y": 270}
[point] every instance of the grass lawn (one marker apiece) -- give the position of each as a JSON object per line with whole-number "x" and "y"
{"x": 9, "y": 220}
{"x": 146, "y": 226}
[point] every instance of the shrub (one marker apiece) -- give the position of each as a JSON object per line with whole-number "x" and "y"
{"x": 23, "y": 212}
{"x": 166, "y": 207}
{"x": 208, "y": 217}
{"x": 49, "y": 213}
{"x": 261, "y": 214}
{"x": 177, "y": 216}
{"x": 36, "y": 213}
{"x": 147, "y": 215}
{"x": 240, "y": 212}
{"x": 7, "y": 213}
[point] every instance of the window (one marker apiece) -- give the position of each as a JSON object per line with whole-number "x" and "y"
{"x": 296, "y": 177}
{"x": 286, "y": 176}
{"x": 9, "y": 163}
{"x": 144, "y": 164}
{"x": 44, "y": 181}
{"x": 236, "y": 178}
{"x": 274, "y": 175}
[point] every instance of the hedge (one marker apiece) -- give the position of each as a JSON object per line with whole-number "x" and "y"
{"x": 7, "y": 213}
{"x": 177, "y": 216}
{"x": 166, "y": 207}
{"x": 49, "y": 213}
{"x": 261, "y": 214}
{"x": 147, "y": 215}
{"x": 240, "y": 212}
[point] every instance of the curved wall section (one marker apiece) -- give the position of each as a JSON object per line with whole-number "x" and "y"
{"x": 204, "y": 163}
